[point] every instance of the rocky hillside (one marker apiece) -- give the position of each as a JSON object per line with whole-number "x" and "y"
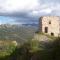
{"x": 16, "y": 32}
{"x": 42, "y": 37}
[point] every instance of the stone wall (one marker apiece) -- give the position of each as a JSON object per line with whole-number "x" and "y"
{"x": 52, "y": 22}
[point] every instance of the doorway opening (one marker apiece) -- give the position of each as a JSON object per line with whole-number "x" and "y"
{"x": 46, "y": 29}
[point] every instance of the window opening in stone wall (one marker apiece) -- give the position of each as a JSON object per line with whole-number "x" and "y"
{"x": 49, "y": 22}
{"x": 52, "y": 34}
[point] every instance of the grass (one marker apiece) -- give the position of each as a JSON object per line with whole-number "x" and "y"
{"x": 49, "y": 36}
{"x": 6, "y": 48}
{"x": 52, "y": 37}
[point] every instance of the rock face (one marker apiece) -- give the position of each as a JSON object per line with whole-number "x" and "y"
{"x": 42, "y": 38}
{"x": 50, "y": 25}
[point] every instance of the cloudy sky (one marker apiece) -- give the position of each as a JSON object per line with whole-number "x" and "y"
{"x": 27, "y": 11}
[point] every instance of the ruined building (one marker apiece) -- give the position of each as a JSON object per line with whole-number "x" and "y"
{"x": 50, "y": 25}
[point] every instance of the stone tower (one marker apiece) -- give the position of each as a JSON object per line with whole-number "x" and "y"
{"x": 50, "y": 25}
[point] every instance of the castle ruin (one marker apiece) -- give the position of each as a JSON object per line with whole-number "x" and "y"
{"x": 50, "y": 25}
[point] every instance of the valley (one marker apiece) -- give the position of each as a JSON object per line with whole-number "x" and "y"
{"x": 24, "y": 43}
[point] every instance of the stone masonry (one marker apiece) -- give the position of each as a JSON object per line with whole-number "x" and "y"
{"x": 50, "y": 25}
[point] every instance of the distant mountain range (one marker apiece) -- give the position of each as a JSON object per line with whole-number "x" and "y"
{"x": 33, "y": 24}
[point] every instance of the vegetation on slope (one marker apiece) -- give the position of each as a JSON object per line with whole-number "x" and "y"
{"x": 30, "y": 49}
{"x": 33, "y": 50}
{"x": 18, "y": 33}
{"x": 7, "y": 48}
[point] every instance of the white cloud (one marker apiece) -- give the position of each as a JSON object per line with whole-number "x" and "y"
{"x": 28, "y": 9}
{"x": 48, "y": 10}
{"x": 34, "y": 7}
{"x": 16, "y": 5}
